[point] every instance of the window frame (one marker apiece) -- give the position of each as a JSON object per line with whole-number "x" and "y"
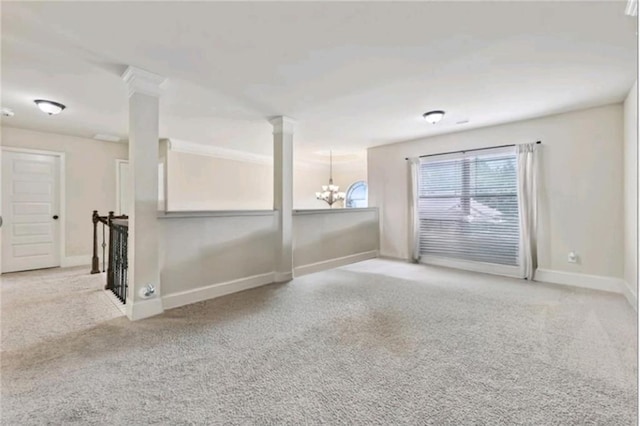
{"x": 465, "y": 264}
{"x": 350, "y": 190}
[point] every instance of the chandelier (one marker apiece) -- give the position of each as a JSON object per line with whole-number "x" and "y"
{"x": 330, "y": 193}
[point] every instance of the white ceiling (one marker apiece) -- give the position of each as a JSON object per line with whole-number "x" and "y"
{"x": 353, "y": 74}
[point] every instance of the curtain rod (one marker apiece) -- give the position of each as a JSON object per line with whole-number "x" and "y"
{"x": 469, "y": 150}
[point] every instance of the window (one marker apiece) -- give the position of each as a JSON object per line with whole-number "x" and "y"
{"x": 468, "y": 207}
{"x": 357, "y": 195}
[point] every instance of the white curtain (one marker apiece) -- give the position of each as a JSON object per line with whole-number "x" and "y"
{"x": 414, "y": 219}
{"x": 528, "y": 197}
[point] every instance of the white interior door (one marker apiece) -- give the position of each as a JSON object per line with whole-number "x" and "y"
{"x": 30, "y": 211}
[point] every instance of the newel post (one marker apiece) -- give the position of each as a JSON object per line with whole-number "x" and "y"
{"x": 95, "y": 261}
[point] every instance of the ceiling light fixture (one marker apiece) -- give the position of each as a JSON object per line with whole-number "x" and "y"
{"x": 50, "y": 107}
{"x": 433, "y": 116}
{"x": 7, "y": 112}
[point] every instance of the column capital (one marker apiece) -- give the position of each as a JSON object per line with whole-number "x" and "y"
{"x": 141, "y": 81}
{"x": 282, "y": 124}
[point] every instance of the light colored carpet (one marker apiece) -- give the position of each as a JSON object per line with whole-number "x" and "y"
{"x": 46, "y": 303}
{"x": 379, "y": 342}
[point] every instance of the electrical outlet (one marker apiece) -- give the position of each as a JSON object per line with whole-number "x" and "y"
{"x": 573, "y": 257}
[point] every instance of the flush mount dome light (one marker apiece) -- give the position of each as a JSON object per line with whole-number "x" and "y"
{"x": 433, "y": 116}
{"x": 50, "y": 107}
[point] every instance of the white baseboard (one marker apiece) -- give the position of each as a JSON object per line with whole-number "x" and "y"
{"x": 334, "y": 263}
{"x": 282, "y": 277}
{"x": 631, "y": 296}
{"x": 69, "y": 261}
{"x": 188, "y": 297}
{"x": 144, "y": 308}
{"x": 466, "y": 265}
{"x": 395, "y": 258}
{"x": 594, "y": 282}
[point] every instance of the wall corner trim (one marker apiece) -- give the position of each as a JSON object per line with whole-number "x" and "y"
{"x": 283, "y": 124}
{"x": 333, "y": 263}
{"x": 282, "y": 277}
{"x": 395, "y": 258}
{"x": 175, "y": 300}
{"x": 631, "y": 296}
{"x": 194, "y": 148}
{"x": 573, "y": 279}
{"x": 143, "y": 81}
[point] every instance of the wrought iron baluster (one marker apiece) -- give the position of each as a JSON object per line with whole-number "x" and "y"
{"x": 110, "y": 274}
{"x": 115, "y": 229}
{"x": 104, "y": 246}
{"x": 119, "y": 263}
{"x": 119, "y": 260}
{"x": 125, "y": 263}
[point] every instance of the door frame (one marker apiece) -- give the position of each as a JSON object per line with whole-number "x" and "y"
{"x": 62, "y": 196}
{"x": 118, "y": 183}
{"x": 162, "y": 185}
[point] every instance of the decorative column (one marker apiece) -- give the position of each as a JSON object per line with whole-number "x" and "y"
{"x": 143, "y": 294}
{"x": 283, "y": 194}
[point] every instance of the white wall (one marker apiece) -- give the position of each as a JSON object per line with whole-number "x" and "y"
{"x": 200, "y": 182}
{"x": 581, "y": 197}
{"x": 204, "y": 182}
{"x": 90, "y": 180}
{"x": 213, "y": 254}
{"x": 327, "y": 235}
{"x": 196, "y": 252}
{"x": 631, "y": 190}
{"x": 210, "y": 253}
{"x": 307, "y": 180}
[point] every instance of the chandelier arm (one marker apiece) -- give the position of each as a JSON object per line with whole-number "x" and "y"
{"x": 330, "y": 193}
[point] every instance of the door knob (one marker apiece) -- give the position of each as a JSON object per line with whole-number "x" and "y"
{"x": 55, "y": 216}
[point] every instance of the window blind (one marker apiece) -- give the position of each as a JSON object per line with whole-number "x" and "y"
{"x": 468, "y": 207}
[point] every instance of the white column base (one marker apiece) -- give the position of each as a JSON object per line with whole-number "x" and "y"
{"x": 144, "y": 308}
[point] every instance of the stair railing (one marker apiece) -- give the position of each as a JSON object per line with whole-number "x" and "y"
{"x": 116, "y": 264}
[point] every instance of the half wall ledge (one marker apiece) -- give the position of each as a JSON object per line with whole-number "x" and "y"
{"x": 332, "y": 211}
{"x": 214, "y": 213}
